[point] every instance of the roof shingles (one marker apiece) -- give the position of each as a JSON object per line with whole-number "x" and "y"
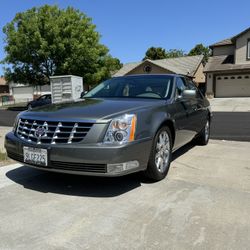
{"x": 223, "y": 63}
{"x": 186, "y": 65}
{"x": 229, "y": 41}
{"x": 222, "y": 43}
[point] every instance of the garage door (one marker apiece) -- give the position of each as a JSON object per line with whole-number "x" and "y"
{"x": 232, "y": 86}
{"x": 23, "y": 94}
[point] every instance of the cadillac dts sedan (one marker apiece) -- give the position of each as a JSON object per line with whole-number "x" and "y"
{"x": 123, "y": 125}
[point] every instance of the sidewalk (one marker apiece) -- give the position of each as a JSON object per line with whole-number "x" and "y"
{"x": 230, "y": 104}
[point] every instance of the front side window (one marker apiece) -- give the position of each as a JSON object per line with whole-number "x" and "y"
{"x": 190, "y": 84}
{"x": 180, "y": 85}
{"x": 248, "y": 49}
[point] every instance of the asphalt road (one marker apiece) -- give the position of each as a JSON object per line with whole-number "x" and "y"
{"x": 233, "y": 126}
{"x": 7, "y": 117}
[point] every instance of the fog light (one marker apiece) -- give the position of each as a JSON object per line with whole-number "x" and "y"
{"x": 120, "y": 167}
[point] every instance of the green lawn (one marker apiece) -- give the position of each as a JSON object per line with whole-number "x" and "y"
{"x": 3, "y": 156}
{"x": 4, "y": 160}
{"x": 13, "y": 106}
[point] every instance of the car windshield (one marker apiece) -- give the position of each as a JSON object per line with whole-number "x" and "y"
{"x": 159, "y": 87}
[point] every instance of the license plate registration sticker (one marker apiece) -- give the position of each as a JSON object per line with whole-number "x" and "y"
{"x": 36, "y": 156}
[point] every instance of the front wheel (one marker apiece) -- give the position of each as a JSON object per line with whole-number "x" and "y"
{"x": 203, "y": 137}
{"x": 160, "y": 156}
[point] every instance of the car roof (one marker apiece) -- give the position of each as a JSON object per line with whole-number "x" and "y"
{"x": 148, "y": 75}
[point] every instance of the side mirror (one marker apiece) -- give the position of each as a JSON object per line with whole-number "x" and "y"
{"x": 189, "y": 93}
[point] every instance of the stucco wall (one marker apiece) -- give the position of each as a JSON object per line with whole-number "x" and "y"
{"x": 199, "y": 76}
{"x": 155, "y": 69}
{"x": 209, "y": 80}
{"x": 241, "y": 49}
{"x": 223, "y": 50}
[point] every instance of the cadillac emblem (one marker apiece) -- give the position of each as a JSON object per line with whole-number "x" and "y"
{"x": 41, "y": 131}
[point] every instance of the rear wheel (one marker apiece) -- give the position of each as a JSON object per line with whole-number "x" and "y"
{"x": 203, "y": 137}
{"x": 160, "y": 156}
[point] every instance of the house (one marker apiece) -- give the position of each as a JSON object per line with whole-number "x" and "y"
{"x": 4, "y": 87}
{"x": 190, "y": 66}
{"x": 25, "y": 92}
{"x": 228, "y": 69}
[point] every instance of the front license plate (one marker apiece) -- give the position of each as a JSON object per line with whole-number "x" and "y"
{"x": 36, "y": 156}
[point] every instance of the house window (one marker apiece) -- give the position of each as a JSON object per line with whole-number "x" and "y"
{"x": 248, "y": 49}
{"x": 147, "y": 69}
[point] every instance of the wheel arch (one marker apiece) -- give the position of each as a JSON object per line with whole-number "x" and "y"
{"x": 169, "y": 123}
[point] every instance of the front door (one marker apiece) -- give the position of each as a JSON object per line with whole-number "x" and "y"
{"x": 184, "y": 111}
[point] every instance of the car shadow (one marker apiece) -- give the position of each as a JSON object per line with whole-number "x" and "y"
{"x": 73, "y": 185}
{"x": 79, "y": 185}
{"x": 183, "y": 150}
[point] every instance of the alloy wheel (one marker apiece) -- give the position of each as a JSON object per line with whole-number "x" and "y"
{"x": 162, "y": 153}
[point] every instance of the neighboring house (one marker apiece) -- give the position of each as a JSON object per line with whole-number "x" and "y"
{"x": 190, "y": 66}
{"x": 24, "y": 92}
{"x": 4, "y": 87}
{"x": 228, "y": 70}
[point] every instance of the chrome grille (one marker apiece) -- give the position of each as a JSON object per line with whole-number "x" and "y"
{"x": 54, "y": 132}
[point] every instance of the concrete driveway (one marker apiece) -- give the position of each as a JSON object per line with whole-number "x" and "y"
{"x": 204, "y": 203}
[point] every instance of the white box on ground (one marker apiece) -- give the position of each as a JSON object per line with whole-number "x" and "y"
{"x": 66, "y": 88}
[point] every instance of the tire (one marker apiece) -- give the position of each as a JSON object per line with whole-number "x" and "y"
{"x": 203, "y": 137}
{"x": 158, "y": 167}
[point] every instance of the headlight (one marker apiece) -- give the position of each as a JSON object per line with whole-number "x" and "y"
{"x": 15, "y": 124}
{"x": 121, "y": 129}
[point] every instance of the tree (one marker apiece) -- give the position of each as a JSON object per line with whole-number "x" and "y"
{"x": 173, "y": 53}
{"x": 154, "y": 53}
{"x": 47, "y": 41}
{"x": 200, "y": 49}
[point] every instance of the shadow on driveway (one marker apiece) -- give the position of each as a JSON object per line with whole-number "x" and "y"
{"x": 78, "y": 185}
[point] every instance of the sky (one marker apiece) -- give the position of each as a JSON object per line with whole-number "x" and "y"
{"x": 129, "y": 27}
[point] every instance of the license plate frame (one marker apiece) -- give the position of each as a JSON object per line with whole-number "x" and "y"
{"x": 35, "y": 156}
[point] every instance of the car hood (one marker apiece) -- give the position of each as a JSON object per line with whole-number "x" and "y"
{"x": 90, "y": 109}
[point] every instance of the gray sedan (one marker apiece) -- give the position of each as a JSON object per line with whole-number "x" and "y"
{"x": 124, "y": 125}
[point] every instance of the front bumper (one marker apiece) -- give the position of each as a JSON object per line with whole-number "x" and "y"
{"x": 84, "y": 159}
